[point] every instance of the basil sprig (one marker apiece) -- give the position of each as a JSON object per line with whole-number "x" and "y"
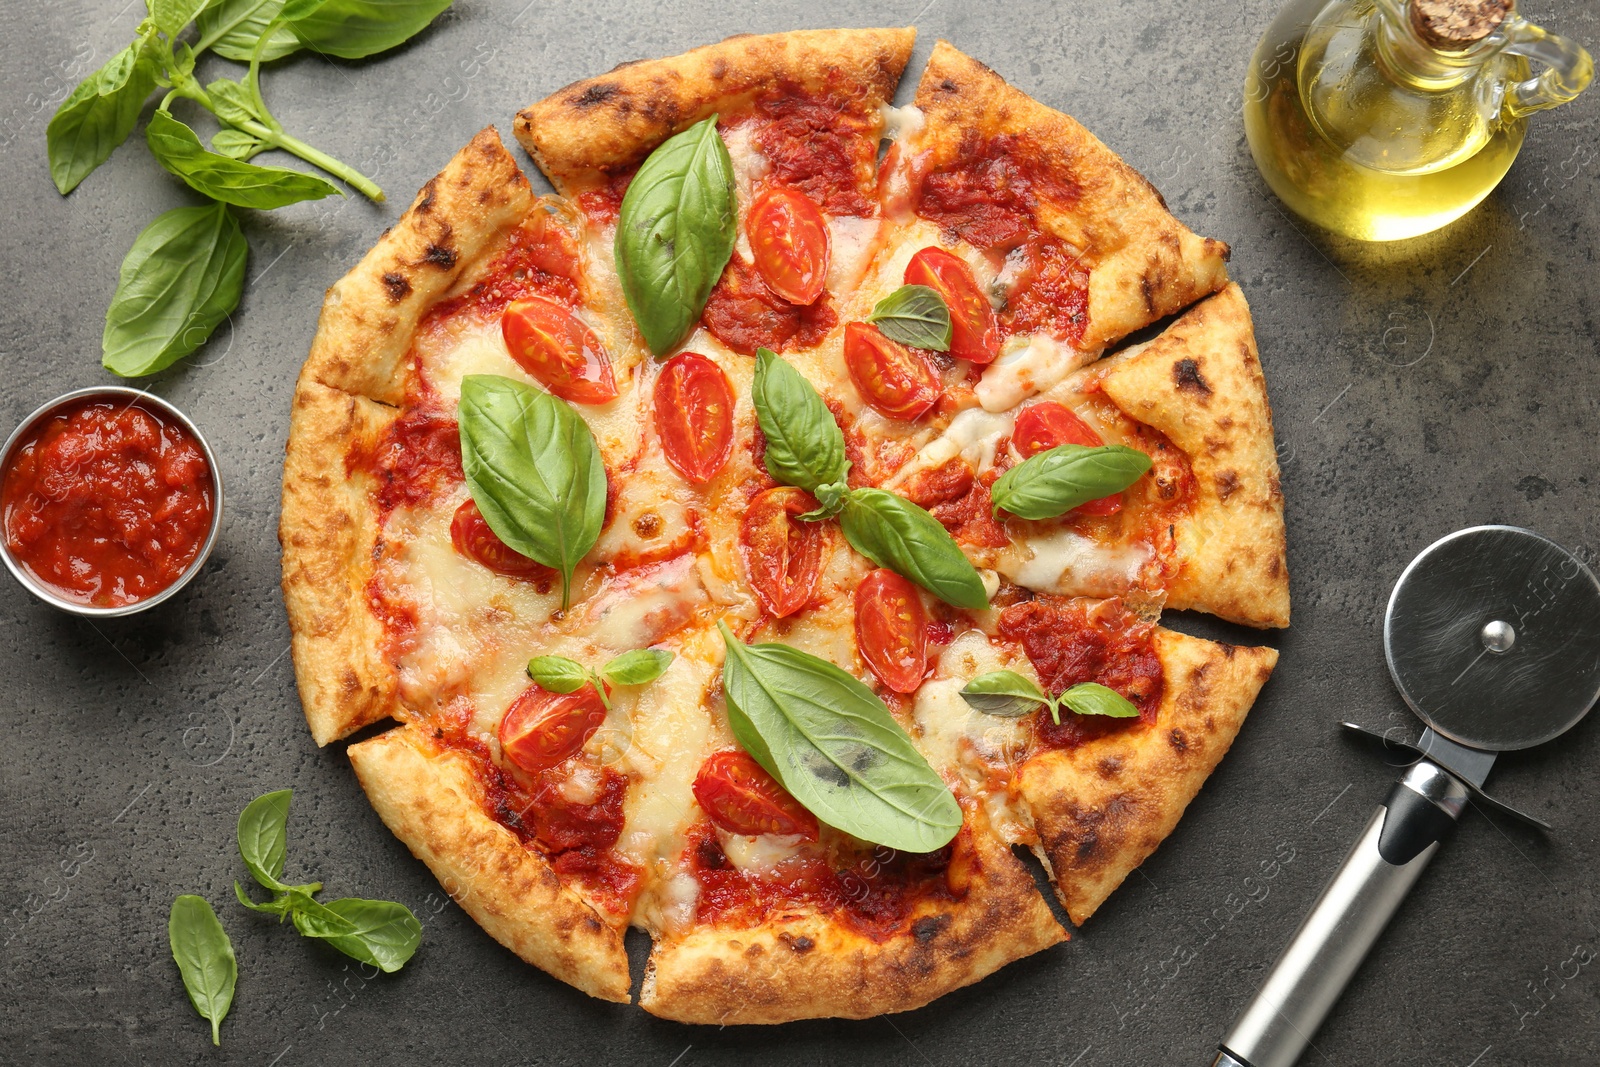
{"x": 562, "y": 675}
{"x": 805, "y": 449}
{"x": 181, "y": 278}
{"x": 1054, "y": 482}
{"x": 377, "y": 932}
{"x": 98, "y": 116}
{"x": 834, "y": 746}
{"x": 1009, "y": 694}
{"x": 221, "y": 177}
{"x": 914, "y": 315}
{"x": 534, "y": 471}
{"x": 205, "y": 959}
{"x": 675, "y": 232}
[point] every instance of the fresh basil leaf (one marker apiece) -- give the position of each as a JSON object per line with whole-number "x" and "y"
{"x": 558, "y": 673}
{"x": 914, "y": 315}
{"x": 171, "y": 16}
{"x": 805, "y": 448}
{"x": 233, "y": 103}
{"x": 1003, "y": 693}
{"x": 675, "y": 232}
{"x": 205, "y": 959}
{"x": 834, "y": 746}
{"x": 1092, "y": 698}
{"x": 377, "y": 932}
{"x": 98, "y": 116}
{"x": 534, "y": 470}
{"x": 639, "y": 667}
{"x": 1054, "y": 482}
{"x": 263, "y": 839}
{"x": 893, "y": 532}
{"x": 235, "y": 144}
{"x": 231, "y": 181}
{"x": 232, "y": 28}
{"x": 354, "y": 29}
{"x": 182, "y": 277}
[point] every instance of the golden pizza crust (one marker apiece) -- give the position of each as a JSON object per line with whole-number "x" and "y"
{"x": 1100, "y": 809}
{"x": 613, "y": 121}
{"x": 431, "y": 800}
{"x": 815, "y": 966}
{"x": 1145, "y": 263}
{"x": 327, "y": 529}
{"x": 1200, "y": 383}
{"x": 369, "y": 315}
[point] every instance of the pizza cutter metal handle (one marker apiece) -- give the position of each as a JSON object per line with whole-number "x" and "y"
{"x": 1398, "y": 842}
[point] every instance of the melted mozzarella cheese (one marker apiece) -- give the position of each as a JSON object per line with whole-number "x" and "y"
{"x": 1027, "y": 366}
{"x": 759, "y": 855}
{"x": 902, "y": 123}
{"x": 852, "y": 242}
{"x": 973, "y": 435}
{"x": 1064, "y": 561}
{"x": 638, "y": 607}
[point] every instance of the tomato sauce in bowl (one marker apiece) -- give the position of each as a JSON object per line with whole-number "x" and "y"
{"x": 110, "y": 501}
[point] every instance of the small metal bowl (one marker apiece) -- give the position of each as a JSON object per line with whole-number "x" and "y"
{"x": 155, "y": 403}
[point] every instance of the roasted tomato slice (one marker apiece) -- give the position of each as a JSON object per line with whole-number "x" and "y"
{"x": 471, "y": 536}
{"x": 892, "y": 630}
{"x": 896, "y": 380}
{"x": 694, "y": 416}
{"x": 542, "y": 728}
{"x": 554, "y": 345}
{"x": 1048, "y": 424}
{"x": 742, "y": 798}
{"x": 782, "y": 554}
{"x": 974, "y": 334}
{"x": 789, "y": 238}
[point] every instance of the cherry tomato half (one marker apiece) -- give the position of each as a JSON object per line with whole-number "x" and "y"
{"x": 974, "y": 334}
{"x": 782, "y": 554}
{"x": 896, "y": 380}
{"x": 892, "y": 630}
{"x": 789, "y": 238}
{"x": 738, "y": 795}
{"x": 541, "y": 728}
{"x": 694, "y": 416}
{"x": 556, "y": 347}
{"x": 471, "y": 536}
{"x": 1047, "y": 424}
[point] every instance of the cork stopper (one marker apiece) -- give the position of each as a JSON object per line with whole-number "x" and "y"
{"x": 1456, "y": 24}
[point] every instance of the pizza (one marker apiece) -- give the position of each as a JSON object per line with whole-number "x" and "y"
{"x": 759, "y": 538}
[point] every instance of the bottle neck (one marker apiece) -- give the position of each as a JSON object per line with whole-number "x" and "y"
{"x": 1409, "y": 59}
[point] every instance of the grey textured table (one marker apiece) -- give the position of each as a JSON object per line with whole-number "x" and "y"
{"x": 1418, "y": 388}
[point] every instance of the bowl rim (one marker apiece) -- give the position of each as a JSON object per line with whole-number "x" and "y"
{"x": 164, "y": 407}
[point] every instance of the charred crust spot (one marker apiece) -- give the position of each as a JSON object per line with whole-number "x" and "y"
{"x": 1227, "y": 483}
{"x": 592, "y": 924}
{"x": 1274, "y": 566}
{"x": 1229, "y": 651}
{"x": 1109, "y": 766}
{"x": 1177, "y": 740}
{"x": 754, "y": 950}
{"x": 440, "y": 256}
{"x": 595, "y": 94}
{"x": 1186, "y": 376}
{"x": 1147, "y": 293}
{"x": 426, "y": 197}
{"x": 947, "y": 86}
{"x": 1088, "y": 841}
{"x": 349, "y": 682}
{"x": 396, "y": 286}
{"x": 929, "y": 927}
{"x": 719, "y": 69}
{"x": 800, "y": 944}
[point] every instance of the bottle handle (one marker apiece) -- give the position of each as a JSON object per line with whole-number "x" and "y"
{"x": 1568, "y": 68}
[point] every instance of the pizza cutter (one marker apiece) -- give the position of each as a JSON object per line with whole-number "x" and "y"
{"x": 1493, "y": 639}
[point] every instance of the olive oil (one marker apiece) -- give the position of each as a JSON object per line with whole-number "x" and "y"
{"x": 1367, "y": 127}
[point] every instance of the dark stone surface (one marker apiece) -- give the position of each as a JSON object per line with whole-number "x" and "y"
{"x": 1444, "y": 382}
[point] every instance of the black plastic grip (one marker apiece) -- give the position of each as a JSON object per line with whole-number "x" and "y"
{"x": 1411, "y": 823}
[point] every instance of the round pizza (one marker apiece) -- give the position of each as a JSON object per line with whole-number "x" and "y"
{"x": 756, "y": 540}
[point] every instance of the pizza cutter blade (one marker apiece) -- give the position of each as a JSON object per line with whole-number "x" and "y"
{"x": 1493, "y": 639}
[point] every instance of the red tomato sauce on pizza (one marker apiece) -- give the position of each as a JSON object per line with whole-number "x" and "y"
{"x": 107, "y": 502}
{"x": 744, "y": 314}
{"x": 875, "y": 890}
{"x": 540, "y": 258}
{"x": 1076, "y": 640}
{"x": 987, "y": 196}
{"x": 821, "y": 146}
